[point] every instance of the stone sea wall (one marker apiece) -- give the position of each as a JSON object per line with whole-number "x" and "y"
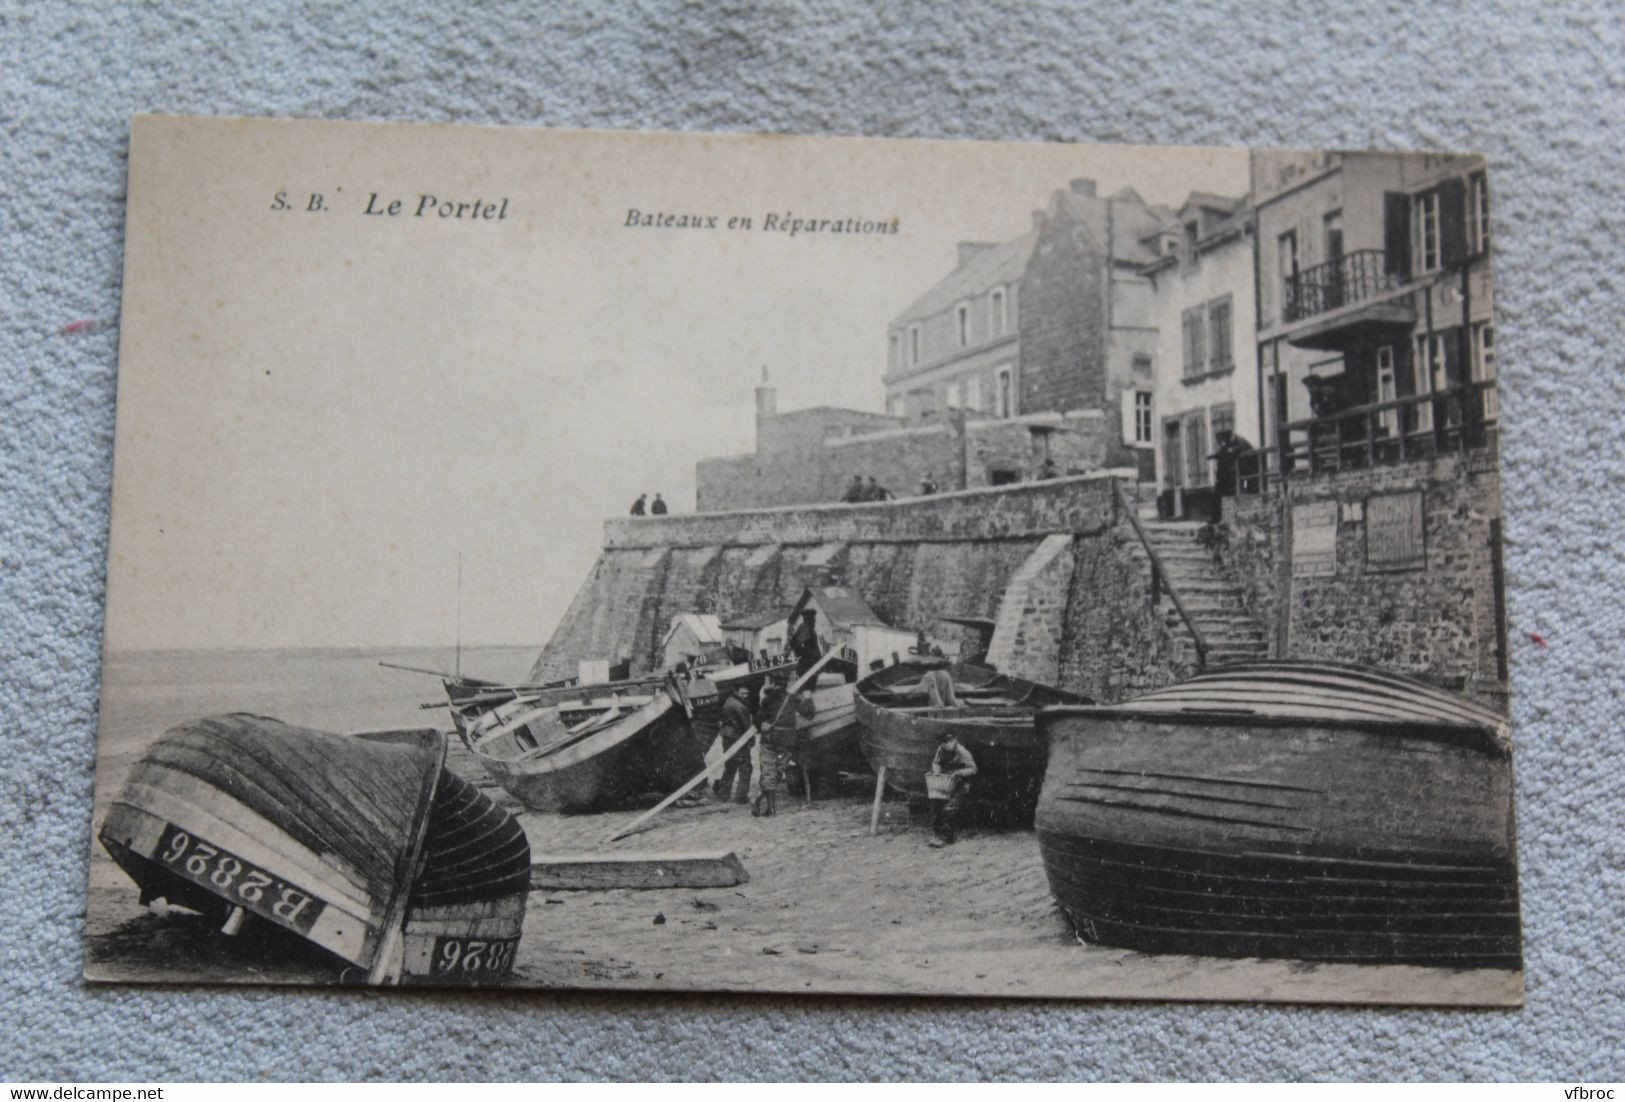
{"x": 913, "y": 561}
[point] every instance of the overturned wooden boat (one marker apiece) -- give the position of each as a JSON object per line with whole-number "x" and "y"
{"x": 365, "y": 845}
{"x": 1286, "y": 809}
{"x": 590, "y": 750}
{"x": 900, "y": 729}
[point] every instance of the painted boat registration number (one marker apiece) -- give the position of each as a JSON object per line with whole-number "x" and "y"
{"x": 237, "y": 881}
{"x": 466, "y": 956}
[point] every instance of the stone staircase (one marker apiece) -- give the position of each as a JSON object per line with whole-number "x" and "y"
{"x": 1213, "y": 599}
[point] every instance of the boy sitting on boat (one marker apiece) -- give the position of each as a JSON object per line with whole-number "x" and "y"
{"x": 947, "y": 783}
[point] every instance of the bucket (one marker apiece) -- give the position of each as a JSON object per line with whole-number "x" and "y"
{"x": 940, "y": 786}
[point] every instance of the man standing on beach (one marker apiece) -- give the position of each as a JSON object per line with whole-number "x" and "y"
{"x": 776, "y": 720}
{"x": 734, "y": 727}
{"x": 953, "y": 763}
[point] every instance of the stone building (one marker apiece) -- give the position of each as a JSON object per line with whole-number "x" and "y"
{"x": 1205, "y": 378}
{"x": 1374, "y": 303}
{"x": 1054, "y": 321}
{"x": 811, "y": 455}
{"x": 1377, "y": 539}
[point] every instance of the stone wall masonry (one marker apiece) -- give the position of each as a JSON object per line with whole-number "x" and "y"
{"x": 1026, "y": 511}
{"x": 913, "y": 561}
{"x": 1113, "y": 644}
{"x": 1439, "y": 622}
{"x": 1027, "y": 630}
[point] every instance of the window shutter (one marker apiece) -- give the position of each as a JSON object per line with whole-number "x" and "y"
{"x": 1453, "y": 221}
{"x": 1396, "y": 234}
{"x": 1125, "y": 403}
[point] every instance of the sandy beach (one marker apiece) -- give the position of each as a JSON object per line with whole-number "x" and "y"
{"x": 828, "y": 908}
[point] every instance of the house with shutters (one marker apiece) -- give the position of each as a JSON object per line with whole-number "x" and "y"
{"x": 1375, "y": 337}
{"x": 1053, "y": 323}
{"x": 1205, "y": 378}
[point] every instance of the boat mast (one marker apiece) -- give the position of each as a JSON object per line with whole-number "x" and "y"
{"x": 458, "y": 666}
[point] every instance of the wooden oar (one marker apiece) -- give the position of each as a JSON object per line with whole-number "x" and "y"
{"x": 744, "y": 741}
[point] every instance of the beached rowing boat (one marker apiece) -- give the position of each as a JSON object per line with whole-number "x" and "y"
{"x": 590, "y": 750}
{"x": 900, "y": 729}
{"x": 1286, "y": 809}
{"x": 364, "y": 845}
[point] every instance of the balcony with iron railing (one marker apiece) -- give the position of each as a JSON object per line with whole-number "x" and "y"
{"x": 1417, "y": 427}
{"x": 1358, "y": 276}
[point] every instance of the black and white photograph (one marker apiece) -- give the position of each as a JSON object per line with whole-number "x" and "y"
{"x": 755, "y": 563}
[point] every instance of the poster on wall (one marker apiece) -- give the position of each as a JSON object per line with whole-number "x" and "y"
{"x": 699, "y": 562}
{"x": 1314, "y": 539}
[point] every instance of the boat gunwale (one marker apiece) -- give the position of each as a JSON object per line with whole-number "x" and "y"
{"x": 600, "y": 742}
{"x": 1419, "y": 730}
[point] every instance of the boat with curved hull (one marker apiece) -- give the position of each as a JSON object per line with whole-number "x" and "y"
{"x": 587, "y": 753}
{"x": 900, "y": 730}
{"x": 1286, "y": 809}
{"x": 364, "y": 845}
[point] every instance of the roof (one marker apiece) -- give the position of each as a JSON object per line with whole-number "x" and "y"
{"x": 754, "y": 620}
{"x": 992, "y": 267}
{"x": 840, "y": 604}
{"x": 1320, "y": 691}
{"x": 1130, "y": 222}
{"x": 702, "y": 625}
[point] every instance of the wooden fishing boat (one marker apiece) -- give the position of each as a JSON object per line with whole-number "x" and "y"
{"x": 364, "y": 845}
{"x": 589, "y": 751}
{"x": 900, "y": 730}
{"x": 1286, "y": 809}
{"x": 468, "y": 707}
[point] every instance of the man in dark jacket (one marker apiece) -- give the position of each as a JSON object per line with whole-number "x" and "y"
{"x": 876, "y": 492}
{"x": 954, "y": 761}
{"x": 776, "y": 720}
{"x": 637, "y": 506}
{"x": 658, "y": 506}
{"x": 735, "y": 725}
{"x": 854, "y": 491}
{"x": 804, "y": 642}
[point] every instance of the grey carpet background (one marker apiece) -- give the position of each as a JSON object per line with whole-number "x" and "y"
{"x": 1540, "y": 91}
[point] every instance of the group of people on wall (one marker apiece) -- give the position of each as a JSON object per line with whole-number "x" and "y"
{"x": 644, "y": 507}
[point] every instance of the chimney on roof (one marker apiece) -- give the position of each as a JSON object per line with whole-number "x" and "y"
{"x": 1082, "y": 185}
{"x": 968, "y": 250}
{"x": 767, "y": 399}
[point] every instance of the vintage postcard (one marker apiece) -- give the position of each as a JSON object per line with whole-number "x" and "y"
{"x": 760, "y": 563}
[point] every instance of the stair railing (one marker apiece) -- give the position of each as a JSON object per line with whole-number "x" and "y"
{"x": 1159, "y": 576}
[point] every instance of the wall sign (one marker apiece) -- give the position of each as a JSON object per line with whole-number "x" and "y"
{"x": 1314, "y": 539}
{"x": 1395, "y": 538}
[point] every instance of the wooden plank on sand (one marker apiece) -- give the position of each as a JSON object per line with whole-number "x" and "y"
{"x": 598, "y": 871}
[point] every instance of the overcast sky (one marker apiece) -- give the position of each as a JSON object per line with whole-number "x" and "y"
{"x": 318, "y": 411}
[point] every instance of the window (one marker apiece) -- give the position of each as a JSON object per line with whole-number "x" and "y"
{"x": 1385, "y": 387}
{"x": 1484, "y": 367}
{"x": 1195, "y": 353}
{"x": 1427, "y": 231}
{"x": 913, "y": 345}
{"x": 1479, "y": 215}
{"x": 1195, "y": 450}
{"x": 1193, "y": 230}
{"x": 1218, "y": 328}
{"x": 973, "y": 393}
{"x": 1286, "y": 263}
{"x": 1334, "y": 235}
{"x": 1005, "y": 404}
{"x": 1142, "y": 417}
{"x": 1427, "y": 372}
{"x": 997, "y": 319}
{"x": 962, "y": 317}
